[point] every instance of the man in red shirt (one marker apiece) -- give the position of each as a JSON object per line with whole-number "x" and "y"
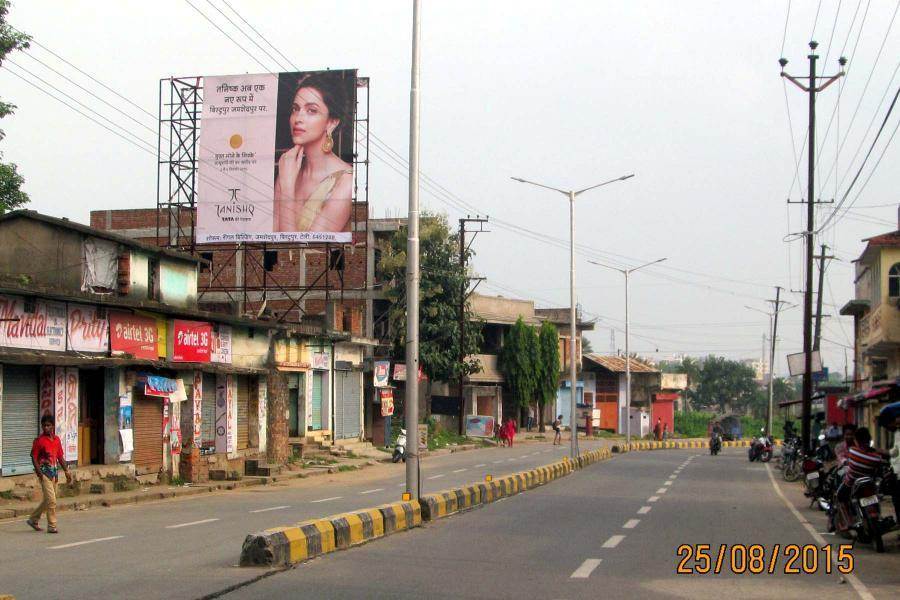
{"x": 47, "y": 457}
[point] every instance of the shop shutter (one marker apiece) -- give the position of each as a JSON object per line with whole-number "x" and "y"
{"x": 208, "y": 410}
{"x": 316, "y": 420}
{"x": 347, "y": 396}
{"x": 243, "y": 412}
{"x": 148, "y": 443}
{"x": 20, "y": 418}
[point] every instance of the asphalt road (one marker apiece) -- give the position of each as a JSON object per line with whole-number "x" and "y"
{"x": 189, "y": 547}
{"x": 612, "y": 530}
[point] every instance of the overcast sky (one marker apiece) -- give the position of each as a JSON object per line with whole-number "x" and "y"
{"x": 686, "y": 95}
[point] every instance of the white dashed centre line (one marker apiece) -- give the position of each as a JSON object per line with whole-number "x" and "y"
{"x": 94, "y": 541}
{"x": 180, "y": 525}
{"x": 260, "y": 510}
{"x": 586, "y": 568}
{"x": 496, "y": 461}
{"x": 613, "y": 541}
{"x": 326, "y": 499}
{"x": 644, "y": 510}
{"x": 631, "y": 524}
{"x": 460, "y": 470}
{"x": 667, "y": 483}
{"x": 480, "y": 465}
{"x": 652, "y": 498}
{"x": 662, "y": 490}
{"x": 673, "y": 476}
{"x": 371, "y": 491}
{"x": 438, "y": 476}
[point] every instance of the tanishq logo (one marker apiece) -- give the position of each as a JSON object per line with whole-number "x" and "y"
{"x": 234, "y": 211}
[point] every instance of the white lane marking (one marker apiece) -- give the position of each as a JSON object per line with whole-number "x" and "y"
{"x": 180, "y": 525}
{"x": 858, "y": 585}
{"x": 667, "y": 483}
{"x": 480, "y": 465}
{"x": 586, "y": 568}
{"x": 260, "y": 510}
{"x": 613, "y": 541}
{"x": 644, "y": 510}
{"x": 525, "y": 456}
{"x": 460, "y": 470}
{"x": 652, "y": 498}
{"x": 631, "y": 524}
{"x": 372, "y": 491}
{"x": 94, "y": 541}
{"x": 673, "y": 476}
{"x": 662, "y": 490}
{"x": 511, "y": 458}
{"x": 325, "y": 499}
{"x": 496, "y": 461}
{"x": 438, "y": 476}
{"x": 550, "y": 450}
{"x": 401, "y": 484}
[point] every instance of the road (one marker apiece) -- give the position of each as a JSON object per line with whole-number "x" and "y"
{"x": 610, "y": 530}
{"x": 189, "y": 547}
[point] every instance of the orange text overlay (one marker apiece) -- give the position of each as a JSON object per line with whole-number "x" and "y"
{"x": 790, "y": 559}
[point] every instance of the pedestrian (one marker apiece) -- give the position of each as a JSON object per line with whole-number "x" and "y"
{"x": 530, "y": 417}
{"x": 500, "y": 434}
{"x": 665, "y": 432}
{"x": 47, "y": 457}
{"x": 657, "y": 429}
{"x": 510, "y": 431}
{"x": 557, "y": 431}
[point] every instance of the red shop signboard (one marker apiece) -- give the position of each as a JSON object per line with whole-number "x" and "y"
{"x": 191, "y": 341}
{"x": 132, "y": 334}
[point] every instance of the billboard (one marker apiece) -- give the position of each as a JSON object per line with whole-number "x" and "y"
{"x": 276, "y": 158}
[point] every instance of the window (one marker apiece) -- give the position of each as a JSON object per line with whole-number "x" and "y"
{"x": 336, "y": 259}
{"x": 270, "y": 259}
{"x": 894, "y": 281}
{"x": 206, "y": 266}
{"x": 153, "y": 279}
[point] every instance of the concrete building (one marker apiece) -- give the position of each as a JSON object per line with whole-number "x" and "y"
{"x": 875, "y": 309}
{"x": 605, "y": 384}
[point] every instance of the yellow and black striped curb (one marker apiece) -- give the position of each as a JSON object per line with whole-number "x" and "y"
{"x": 636, "y": 446}
{"x": 282, "y": 546}
{"x": 308, "y": 539}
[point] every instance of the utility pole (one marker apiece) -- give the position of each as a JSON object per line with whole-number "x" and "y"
{"x": 811, "y": 89}
{"x": 411, "y": 399}
{"x": 773, "y": 329}
{"x": 463, "y": 296}
{"x": 817, "y": 339}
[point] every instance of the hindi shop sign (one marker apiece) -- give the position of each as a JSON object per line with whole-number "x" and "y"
{"x": 88, "y": 332}
{"x": 132, "y": 334}
{"x": 42, "y": 327}
{"x": 221, "y": 345}
{"x": 191, "y": 341}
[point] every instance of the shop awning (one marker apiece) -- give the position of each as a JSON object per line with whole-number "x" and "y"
{"x": 875, "y": 392}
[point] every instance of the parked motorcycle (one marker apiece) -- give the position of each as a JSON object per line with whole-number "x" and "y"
{"x": 761, "y": 448}
{"x": 400, "y": 448}
{"x": 791, "y": 460}
{"x": 861, "y": 516}
{"x": 715, "y": 444}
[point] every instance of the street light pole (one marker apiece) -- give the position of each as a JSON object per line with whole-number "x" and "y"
{"x": 573, "y": 331}
{"x": 626, "y": 273}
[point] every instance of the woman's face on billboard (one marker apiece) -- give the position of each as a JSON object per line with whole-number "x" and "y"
{"x": 309, "y": 117}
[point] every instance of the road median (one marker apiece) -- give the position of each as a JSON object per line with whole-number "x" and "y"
{"x": 285, "y": 546}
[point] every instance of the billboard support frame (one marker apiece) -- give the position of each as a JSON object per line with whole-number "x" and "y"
{"x": 180, "y": 109}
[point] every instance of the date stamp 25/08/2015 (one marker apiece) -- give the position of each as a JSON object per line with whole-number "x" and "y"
{"x": 790, "y": 559}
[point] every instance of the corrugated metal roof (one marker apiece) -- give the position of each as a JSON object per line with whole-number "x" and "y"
{"x": 616, "y": 364}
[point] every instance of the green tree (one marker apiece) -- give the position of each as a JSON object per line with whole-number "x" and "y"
{"x": 442, "y": 281}
{"x": 724, "y": 383}
{"x": 518, "y": 359}
{"x": 548, "y": 384}
{"x": 11, "y": 194}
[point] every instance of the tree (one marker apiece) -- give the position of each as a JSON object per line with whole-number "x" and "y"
{"x": 724, "y": 383}
{"x": 441, "y": 279}
{"x": 548, "y": 383}
{"x": 586, "y": 347}
{"x": 11, "y": 194}
{"x": 519, "y": 362}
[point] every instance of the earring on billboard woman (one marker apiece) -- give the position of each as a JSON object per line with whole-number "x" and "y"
{"x": 328, "y": 144}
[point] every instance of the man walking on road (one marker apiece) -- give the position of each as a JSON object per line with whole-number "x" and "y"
{"x": 47, "y": 457}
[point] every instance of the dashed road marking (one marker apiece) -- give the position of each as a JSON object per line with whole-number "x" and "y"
{"x": 438, "y": 476}
{"x": 652, "y": 498}
{"x": 496, "y": 461}
{"x": 480, "y": 465}
{"x": 460, "y": 470}
{"x": 326, "y": 499}
{"x": 662, "y": 490}
{"x": 673, "y": 476}
{"x": 94, "y": 541}
{"x": 372, "y": 491}
{"x": 631, "y": 523}
{"x": 667, "y": 483}
{"x": 613, "y": 541}
{"x": 180, "y": 525}
{"x": 261, "y": 510}
{"x": 586, "y": 568}
{"x": 644, "y": 510}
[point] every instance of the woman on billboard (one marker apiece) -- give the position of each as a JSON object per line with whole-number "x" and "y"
{"x": 314, "y": 185}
